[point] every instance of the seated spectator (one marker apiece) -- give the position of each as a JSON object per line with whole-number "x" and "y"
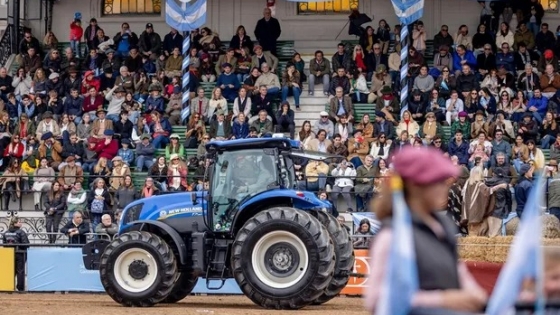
{"x": 324, "y": 123}
{"x": 198, "y": 105}
{"x": 344, "y": 175}
{"x": 76, "y": 200}
{"x": 524, "y": 57}
{"x": 364, "y": 235}
{"x": 344, "y": 128}
{"x": 409, "y": 124}
{"x": 380, "y": 148}
{"x": 228, "y": 57}
{"x": 291, "y": 84}
{"x": 54, "y": 104}
{"x": 216, "y": 103}
{"x": 435, "y": 104}
{"x": 108, "y": 147}
{"x": 459, "y": 148}
{"x": 479, "y": 124}
{"x": 466, "y": 81}
{"x": 487, "y": 102}
{"x": 485, "y": 61}
{"x": 536, "y": 155}
{"x": 242, "y": 104}
{"x": 321, "y": 143}
{"x": 228, "y": 83}
{"x": 463, "y": 57}
{"x": 398, "y": 144}
{"x": 70, "y": 174}
{"x": 126, "y": 193}
{"x": 99, "y": 126}
{"x": 506, "y": 80}
{"x": 263, "y": 57}
{"x": 120, "y": 170}
{"x": 454, "y": 106}
{"x": 14, "y": 150}
{"x": 505, "y": 35}
{"x": 149, "y": 190}
{"x": 261, "y": 101}
{"x": 50, "y": 149}
{"x": 359, "y": 91}
{"x": 462, "y": 124}
{"x": 339, "y": 80}
{"x": 42, "y": 180}
{"x": 219, "y": 128}
{"x": 106, "y": 229}
{"x": 55, "y": 83}
{"x": 144, "y": 153}
{"x": 547, "y": 58}
{"x": 415, "y": 61}
{"x": 32, "y": 61}
{"x": 337, "y": 147}
{"x": 48, "y": 125}
{"x": 268, "y": 79}
{"x": 319, "y": 68}
{"x": 503, "y": 125}
{"x": 528, "y": 128}
{"x": 544, "y": 39}
{"x": 21, "y": 83}
{"x": 125, "y": 152}
{"x": 99, "y": 201}
{"x": 383, "y": 126}
{"x": 240, "y": 127}
{"x": 194, "y": 132}
{"x": 340, "y": 105}
{"x": 177, "y": 172}
{"x": 416, "y": 106}
{"x": 116, "y": 98}
{"x": 446, "y": 82}
{"x": 549, "y": 131}
{"x": 263, "y": 124}
{"x": 358, "y": 148}
{"x": 505, "y": 59}
{"x": 437, "y": 143}
{"x": 550, "y": 81}
{"x": 424, "y": 82}
{"x": 305, "y": 135}
{"x": 285, "y": 119}
{"x": 504, "y": 168}
{"x": 365, "y": 175}
{"x": 67, "y": 127}
{"x": 315, "y": 176}
{"x": 244, "y": 63}
{"x": 173, "y": 109}
{"x": 394, "y": 67}
{"x": 175, "y": 146}
{"x": 173, "y": 64}
{"x": 54, "y": 207}
{"x": 84, "y": 128}
{"x": 207, "y": 70}
{"x": 519, "y": 153}
{"x": 76, "y": 230}
{"x": 158, "y": 172}
{"x": 160, "y": 129}
{"x": 14, "y": 180}
{"x": 430, "y": 130}
{"x": 251, "y": 80}
{"x": 154, "y": 102}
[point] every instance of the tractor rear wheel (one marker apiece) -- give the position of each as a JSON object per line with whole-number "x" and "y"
{"x": 344, "y": 251}
{"x": 138, "y": 269}
{"x": 182, "y": 287}
{"x": 283, "y": 258}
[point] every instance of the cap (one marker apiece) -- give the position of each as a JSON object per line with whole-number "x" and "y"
{"x": 117, "y": 158}
{"x": 552, "y": 162}
{"x": 174, "y": 135}
{"x": 463, "y": 114}
{"x": 257, "y": 47}
{"x": 416, "y": 92}
{"x": 70, "y": 159}
{"x": 380, "y": 114}
{"x": 88, "y": 73}
{"x": 146, "y": 136}
{"x": 120, "y": 89}
{"x": 47, "y": 115}
{"x": 109, "y": 51}
{"x": 226, "y": 64}
{"x": 423, "y": 166}
{"x": 527, "y": 114}
{"x": 479, "y": 112}
{"x": 99, "y": 110}
{"x": 53, "y": 76}
{"x": 323, "y": 113}
{"x": 357, "y": 131}
{"x": 430, "y": 114}
{"x": 47, "y": 136}
{"x": 149, "y": 25}
{"x": 524, "y": 169}
{"x": 220, "y": 112}
{"x": 125, "y": 141}
{"x": 173, "y": 156}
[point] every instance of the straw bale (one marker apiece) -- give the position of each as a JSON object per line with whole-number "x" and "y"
{"x": 499, "y": 252}
{"x": 472, "y": 248}
{"x": 511, "y": 226}
{"x": 550, "y": 226}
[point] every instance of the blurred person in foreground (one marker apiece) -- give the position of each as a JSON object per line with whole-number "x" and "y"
{"x": 445, "y": 286}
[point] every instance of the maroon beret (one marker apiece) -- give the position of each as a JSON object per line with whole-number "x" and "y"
{"x": 424, "y": 166}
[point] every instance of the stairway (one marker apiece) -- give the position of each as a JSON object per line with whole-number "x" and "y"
{"x": 310, "y": 106}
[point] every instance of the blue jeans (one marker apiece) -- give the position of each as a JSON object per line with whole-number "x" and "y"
{"x": 534, "y": 28}
{"x": 142, "y": 161}
{"x": 242, "y": 77}
{"x": 538, "y": 117}
{"x": 65, "y": 137}
{"x": 114, "y": 117}
{"x": 78, "y": 120}
{"x": 160, "y": 141}
{"x": 547, "y": 141}
{"x": 295, "y": 91}
{"x": 317, "y": 185}
{"x": 75, "y": 45}
{"x": 272, "y": 91}
{"x": 87, "y": 167}
{"x": 311, "y": 83}
{"x": 396, "y": 79}
{"x": 95, "y": 219}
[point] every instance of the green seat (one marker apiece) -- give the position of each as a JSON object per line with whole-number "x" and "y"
{"x": 190, "y": 152}
{"x": 446, "y": 133}
{"x": 180, "y": 130}
{"x": 138, "y": 178}
{"x": 160, "y": 152}
{"x": 546, "y": 153}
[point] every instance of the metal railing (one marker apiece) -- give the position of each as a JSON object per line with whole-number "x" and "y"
{"x": 8, "y": 46}
{"x": 42, "y": 238}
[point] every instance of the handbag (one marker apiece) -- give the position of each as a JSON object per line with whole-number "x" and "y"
{"x": 97, "y": 206}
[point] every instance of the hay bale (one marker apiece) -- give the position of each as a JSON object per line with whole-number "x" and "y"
{"x": 551, "y": 242}
{"x": 472, "y": 248}
{"x": 550, "y": 226}
{"x": 498, "y": 253}
{"x": 511, "y": 226}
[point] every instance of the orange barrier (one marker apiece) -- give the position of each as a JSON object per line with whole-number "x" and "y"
{"x": 7, "y": 261}
{"x": 356, "y": 286}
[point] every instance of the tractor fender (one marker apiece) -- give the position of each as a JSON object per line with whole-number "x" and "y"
{"x": 177, "y": 239}
{"x": 302, "y": 200}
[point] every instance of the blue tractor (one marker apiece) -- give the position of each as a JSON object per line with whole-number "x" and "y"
{"x": 280, "y": 244}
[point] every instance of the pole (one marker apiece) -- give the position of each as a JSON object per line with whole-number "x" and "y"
{"x": 404, "y": 67}
{"x": 186, "y": 74}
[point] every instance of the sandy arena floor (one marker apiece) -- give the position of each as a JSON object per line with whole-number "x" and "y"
{"x": 99, "y": 304}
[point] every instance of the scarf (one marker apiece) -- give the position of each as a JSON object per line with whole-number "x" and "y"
{"x": 360, "y": 61}
{"x": 429, "y": 129}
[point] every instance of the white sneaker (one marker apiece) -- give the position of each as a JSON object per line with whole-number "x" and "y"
{"x": 328, "y": 188}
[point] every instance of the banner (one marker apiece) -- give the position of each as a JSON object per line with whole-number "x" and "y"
{"x": 186, "y": 18}
{"x": 60, "y": 269}
{"x": 357, "y": 286}
{"x": 408, "y": 11}
{"x": 7, "y": 269}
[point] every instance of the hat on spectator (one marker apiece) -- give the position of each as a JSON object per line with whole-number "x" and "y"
{"x": 220, "y": 112}
{"x": 88, "y": 73}
{"x": 423, "y": 166}
{"x": 108, "y": 132}
{"x": 463, "y": 114}
{"x": 548, "y": 54}
{"x": 226, "y": 64}
{"x": 524, "y": 169}
{"x": 430, "y": 114}
{"x": 146, "y": 136}
{"x": 174, "y": 136}
{"x": 99, "y": 110}
{"x": 480, "y": 112}
{"x": 386, "y": 90}
{"x": 527, "y": 114}
{"x": 72, "y": 69}
{"x": 356, "y": 131}
{"x": 70, "y": 159}
{"x": 380, "y": 114}
{"x": 257, "y": 46}
{"x": 416, "y": 92}
{"x": 117, "y": 158}
{"x": 109, "y": 51}
{"x": 149, "y": 25}
{"x": 47, "y": 136}
{"x": 125, "y": 141}
{"x": 444, "y": 48}
{"x": 154, "y": 87}
{"x": 53, "y": 76}
{"x": 553, "y": 162}
{"x": 120, "y": 89}
{"x": 204, "y": 56}
{"x": 47, "y": 115}
{"x": 173, "y": 156}
{"x": 323, "y": 114}
{"x": 380, "y": 69}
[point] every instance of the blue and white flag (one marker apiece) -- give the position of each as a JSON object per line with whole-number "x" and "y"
{"x": 408, "y": 11}
{"x": 524, "y": 259}
{"x": 401, "y": 279}
{"x": 186, "y": 18}
{"x": 185, "y": 112}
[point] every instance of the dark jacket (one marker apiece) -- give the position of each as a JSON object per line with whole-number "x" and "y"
{"x": 287, "y": 119}
{"x": 15, "y": 236}
{"x": 240, "y": 130}
{"x": 6, "y": 82}
{"x": 440, "y": 40}
{"x": 150, "y": 42}
{"x": 25, "y": 45}
{"x": 259, "y": 104}
{"x": 58, "y": 86}
{"x": 171, "y": 42}
{"x": 461, "y": 151}
{"x": 545, "y": 41}
{"x": 485, "y": 62}
{"x": 214, "y": 129}
{"x": 70, "y": 149}
{"x": 522, "y": 190}
{"x": 337, "y": 81}
{"x": 124, "y": 130}
{"x": 236, "y": 44}
{"x": 133, "y": 41}
{"x": 58, "y": 202}
{"x": 69, "y": 84}
{"x": 73, "y": 106}
{"x": 106, "y": 196}
{"x": 52, "y": 65}
{"x": 267, "y": 33}
{"x": 388, "y": 129}
{"x": 467, "y": 82}
{"x": 81, "y": 237}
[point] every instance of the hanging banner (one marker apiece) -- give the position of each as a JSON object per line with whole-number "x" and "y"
{"x": 408, "y": 11}
{"x": 186, "y": 18}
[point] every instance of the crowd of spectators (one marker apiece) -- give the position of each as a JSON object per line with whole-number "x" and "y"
{"x": 78, "y": 126}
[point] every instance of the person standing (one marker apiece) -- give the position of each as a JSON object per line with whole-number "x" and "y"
{"x": 267, "y": 31}
{"x": 17, "y": 237}
{"x": 523, "y": 188}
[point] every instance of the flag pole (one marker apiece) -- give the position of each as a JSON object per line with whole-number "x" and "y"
{"x": 186, "y": 72}
{"x": 404, "y": 66}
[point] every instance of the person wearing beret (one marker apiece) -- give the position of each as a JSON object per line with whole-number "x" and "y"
{"x": 50, "y": 149}
{"x": 445, "y": 284}
{"x": 381, "y": 125}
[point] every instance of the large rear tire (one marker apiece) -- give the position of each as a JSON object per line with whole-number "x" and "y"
{"x": 138, "y": 269}
{"x": 344, "y": 252}
{"x": 283, "y": 258}
{"x": 182, "y": 287}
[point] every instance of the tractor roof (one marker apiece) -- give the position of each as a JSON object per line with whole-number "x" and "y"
{"x": 253, "y": 143}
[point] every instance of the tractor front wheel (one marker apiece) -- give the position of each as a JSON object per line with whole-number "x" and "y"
{"x": 182, "y": 287}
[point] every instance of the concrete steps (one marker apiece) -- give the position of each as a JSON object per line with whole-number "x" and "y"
{"x": 310, "y": 106}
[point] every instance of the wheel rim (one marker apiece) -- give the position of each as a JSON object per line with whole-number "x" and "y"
{"x": 135, "y": 270}
{"x": 280, "y": 259}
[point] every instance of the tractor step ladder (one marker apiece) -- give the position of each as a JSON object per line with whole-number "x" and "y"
{"x": 220, "y": 246}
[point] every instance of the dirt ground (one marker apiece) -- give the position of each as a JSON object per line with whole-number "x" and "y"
{"x": 99, "y": 304}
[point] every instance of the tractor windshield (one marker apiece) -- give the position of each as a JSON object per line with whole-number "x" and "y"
{"x": 239, "y": 175}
